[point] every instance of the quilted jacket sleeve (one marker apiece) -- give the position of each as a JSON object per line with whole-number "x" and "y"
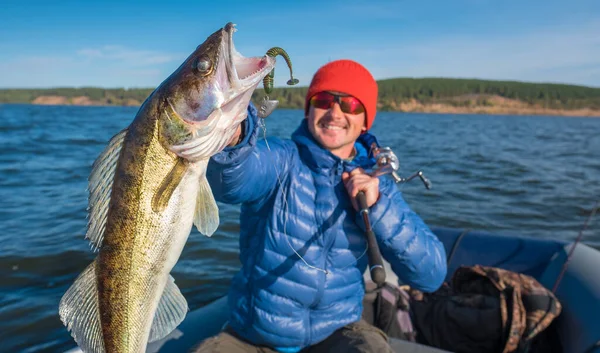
{"x": 417, "y": 256}
{"x": 248, "y": 172}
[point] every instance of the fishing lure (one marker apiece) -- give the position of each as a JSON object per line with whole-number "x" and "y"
{"x": 267, "y": 106}
{"x": 268, "y": 80}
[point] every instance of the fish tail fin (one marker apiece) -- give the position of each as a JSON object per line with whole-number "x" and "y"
{"x": 206, "y": 216}
{"x": 170, "y": 312}
{"x": 78, "y": 310}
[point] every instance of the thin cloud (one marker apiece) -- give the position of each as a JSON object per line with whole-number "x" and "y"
{"x": 90, "y": 53}
{"x": 107, "y": 68}
{"x": 41, "y": 63}
{"x": 128, "y": 55}
{"x": 549, "y": 55}
{"x": 148, "y": 73}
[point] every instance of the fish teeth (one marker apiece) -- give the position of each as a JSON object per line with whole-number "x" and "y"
{"x": 250, "y": 75}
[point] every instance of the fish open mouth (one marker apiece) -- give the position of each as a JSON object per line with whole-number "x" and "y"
{"x": 224, "y": 92}
{"x": 244, "y": 72}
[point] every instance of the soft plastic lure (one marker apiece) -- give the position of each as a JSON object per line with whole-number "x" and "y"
{"x": 268, "y": 80}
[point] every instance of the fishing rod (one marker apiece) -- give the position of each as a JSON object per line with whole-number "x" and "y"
{"x": 375, "y": 262}
{"x": 387, "y": 163}
{"x": 577, "y": 241}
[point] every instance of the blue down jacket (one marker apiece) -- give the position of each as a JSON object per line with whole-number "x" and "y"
{"x": 302, "y": 245}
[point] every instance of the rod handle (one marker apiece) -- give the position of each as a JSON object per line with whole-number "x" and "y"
{"x": 375, "y": 261}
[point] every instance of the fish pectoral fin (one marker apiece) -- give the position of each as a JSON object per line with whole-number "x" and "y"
{"x": 100, "y": 184}
{"x": 161, "y": 198}
{"x": 170, "y": 312}
{"x": 206, "y": 217}
{"x": 78, "y": 310}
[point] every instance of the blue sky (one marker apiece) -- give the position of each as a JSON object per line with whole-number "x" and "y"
{"x": 138, "y": 44}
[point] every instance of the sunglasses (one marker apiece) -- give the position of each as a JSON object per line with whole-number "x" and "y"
{"x": 348, "y": 104}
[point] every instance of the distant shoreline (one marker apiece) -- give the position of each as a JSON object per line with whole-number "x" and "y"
{"x": 494, "y": 105}
{"x": 410, "y": 95}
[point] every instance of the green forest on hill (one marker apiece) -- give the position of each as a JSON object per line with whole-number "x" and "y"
{"x": 455, "y": 92}
{"x": 110, "y": 96}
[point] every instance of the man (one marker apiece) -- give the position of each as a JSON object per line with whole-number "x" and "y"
{"x": 302, "y": 241}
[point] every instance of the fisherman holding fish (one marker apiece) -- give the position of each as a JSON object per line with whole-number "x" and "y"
{"x": 302, "y": 242}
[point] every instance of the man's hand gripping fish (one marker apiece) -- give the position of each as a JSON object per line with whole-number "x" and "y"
{"x": 147, "y": 188}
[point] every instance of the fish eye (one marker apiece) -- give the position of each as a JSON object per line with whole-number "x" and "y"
{"x": 203, "y": 65}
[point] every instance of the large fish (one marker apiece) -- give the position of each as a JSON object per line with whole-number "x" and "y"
{"x": 147, "y": 189}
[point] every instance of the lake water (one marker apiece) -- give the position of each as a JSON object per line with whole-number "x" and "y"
{"x": 536, "y": 176}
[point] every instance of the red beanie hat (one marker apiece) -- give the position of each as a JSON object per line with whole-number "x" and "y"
{"x": 349, "y": 77}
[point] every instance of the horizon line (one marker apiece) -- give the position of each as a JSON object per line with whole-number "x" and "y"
{"x": 305, "y": 86}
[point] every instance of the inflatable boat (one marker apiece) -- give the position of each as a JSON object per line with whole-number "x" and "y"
{"x": 578, "y": 326}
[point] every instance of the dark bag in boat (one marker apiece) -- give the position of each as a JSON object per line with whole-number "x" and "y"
{"x": 485, "y": 309}
{"x": 481, "y": 309}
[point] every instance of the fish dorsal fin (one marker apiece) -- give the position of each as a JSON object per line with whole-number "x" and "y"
{"x": 100, "y": 185}
{"x": 170, "y": 312}
{"x": 78, "y": 310}
{"x": 206, "y": 216}
{"x": 161, "y": 198}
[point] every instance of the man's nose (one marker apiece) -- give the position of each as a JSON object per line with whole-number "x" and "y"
{"x": 336, "y": 111}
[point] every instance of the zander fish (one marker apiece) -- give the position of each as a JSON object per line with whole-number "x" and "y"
{"x": 147, "y": 188}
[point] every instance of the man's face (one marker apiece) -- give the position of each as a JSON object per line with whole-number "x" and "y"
{"x": 332, "y": 124}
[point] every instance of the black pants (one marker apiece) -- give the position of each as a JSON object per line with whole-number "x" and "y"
{"x": 358, "y": 337}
